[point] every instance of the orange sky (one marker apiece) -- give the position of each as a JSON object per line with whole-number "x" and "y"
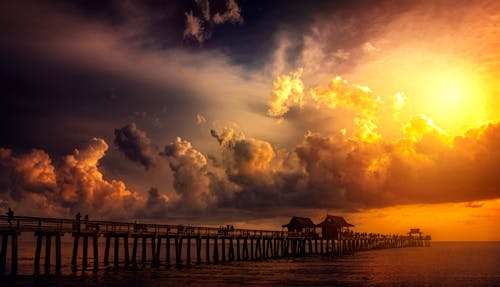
{"x": 386, "y": 114}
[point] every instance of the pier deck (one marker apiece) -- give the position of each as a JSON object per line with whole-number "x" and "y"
{"x": 215, "y": 244}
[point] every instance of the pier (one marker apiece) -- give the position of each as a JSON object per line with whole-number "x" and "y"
{"x": 167, "y": 245}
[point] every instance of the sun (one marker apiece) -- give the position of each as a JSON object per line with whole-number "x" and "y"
{"x": 455, "y": 100}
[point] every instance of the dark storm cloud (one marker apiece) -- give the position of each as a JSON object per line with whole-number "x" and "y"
{"x": 136, "y": 145}
{"x": 65, "y": 66}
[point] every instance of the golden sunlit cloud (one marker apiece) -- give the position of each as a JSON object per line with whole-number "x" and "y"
{"x": 287, "y": 91}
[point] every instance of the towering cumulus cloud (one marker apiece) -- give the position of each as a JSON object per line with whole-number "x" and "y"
{"x": 136, "y": 145}
{"x": 31, "y": 184}
{"x": 189, "y": 168}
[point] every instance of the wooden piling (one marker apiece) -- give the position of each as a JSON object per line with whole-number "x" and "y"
{"x": 134, "y": 250}
{"x": 198, "y": 250}
{"x": 76, "y": 238}
{"x": 116, "y": 251}
{"x": 85, "y": 251}
{"x": 178, "y": 250}
{"x": 38, "y": 250}
{"x": 47, "y": 253}
{"x": 216, "y": 250}
{"x": 106, "y": 250}
{"x": 96, "y": 251}
{"x": 58, "y": 253}
{"x": 238, "y": 251}
{"x": 153, "y": 248}
{"x": 3, "y": 253}
{"x": 245, "y": 249}
{"x": 231, "y": 250}
{"x": 167, "y": 251}
{"x": 223, "y": 245}
{"x": 188, "y": 253}
{"x": 252, "y": 256}
{"x": 156, "y": 257}
{"x": 14, "y": 255}
{"x": 207, "y": 249}
{"x": 143, "y": 251}
{"x": 125, "y": 249}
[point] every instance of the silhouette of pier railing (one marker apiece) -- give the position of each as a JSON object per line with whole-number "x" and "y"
{"x": 200, "y": 244}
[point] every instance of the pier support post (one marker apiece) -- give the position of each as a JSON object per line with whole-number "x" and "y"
{"x": 153, "y": 249}
{"x": 134, "y": 250}
{"x": 252, "y": 255}
{"x": 216, "y": 250}
{"x": 106, "y": 250}
{"x": 38, "y": 250}
{"x": 207, "y": 249}
{"x": 76, "y": 239}
{"x": 223, "y": 244}
{"x": 238, "y": 251}
{"x": 47, "y": 253}
{"x": 58, "y": 253}
{"x": 245, "y": 248}
{"x": 178, "y": 250}
{"x": 156, "y": 256}
{"x": 96, "y": 251}
{"x": 188, "y": 253}
{"x": 143, "y": 250}
{"x": 3, "y": 253}
{"x": 167, "y": 251}
{"x": 198, "y": 250}
{"x": 116, "y": 251}
{"x": 231, "y": 250}
{"x": 85, "y": 251}
{"x": 125, "y": 250}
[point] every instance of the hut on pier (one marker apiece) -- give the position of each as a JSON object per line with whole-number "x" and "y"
{"x": 415, "y": 232}
{"x": 333, "y": 226}
{"x": 300, "y": 224}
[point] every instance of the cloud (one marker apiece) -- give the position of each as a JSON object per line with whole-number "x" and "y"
{"x": 136, "y": 145}
{"x": 35, "y": 186}
{"x": 189, "y": 168}
{"x": 204, "y": 6}
{"x": 244, "y": 156}
{"x": 287, "y": 92}
{"x": 194, "y": 28}
{"x": 232, "y": 14}
{"x": 156, "y": 205}
{"x": 340, "y": 93}
{"x": 200, "y": 28}
{"x": 200, "y": 119}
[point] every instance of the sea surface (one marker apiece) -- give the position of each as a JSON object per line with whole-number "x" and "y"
{"x": 442, "y": 264}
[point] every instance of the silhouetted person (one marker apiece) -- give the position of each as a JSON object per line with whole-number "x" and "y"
{"x": 10, "y": 216}
{"x": 86, "y": 218}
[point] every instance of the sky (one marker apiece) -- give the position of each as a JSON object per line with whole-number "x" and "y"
{"x": 248, "y": 112}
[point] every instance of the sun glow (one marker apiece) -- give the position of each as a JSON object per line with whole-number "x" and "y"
{"x": 455, "y": 100}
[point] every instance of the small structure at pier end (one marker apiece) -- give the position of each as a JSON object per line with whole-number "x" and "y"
{"x": 300, "y": 224}
{"x": 333, "y": 226}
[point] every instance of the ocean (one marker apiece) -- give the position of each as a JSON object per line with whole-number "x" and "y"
{"x": 442, "y": 264}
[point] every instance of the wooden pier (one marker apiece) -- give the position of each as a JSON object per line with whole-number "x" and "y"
{"x": 190, "y": 245}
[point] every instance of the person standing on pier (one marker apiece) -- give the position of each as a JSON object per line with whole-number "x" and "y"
{"x": 10, "y": 216}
